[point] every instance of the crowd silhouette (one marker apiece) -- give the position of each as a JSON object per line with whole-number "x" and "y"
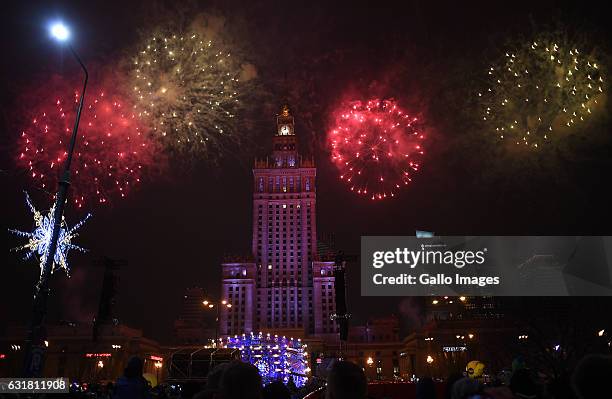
{"x": 346, "y": 380}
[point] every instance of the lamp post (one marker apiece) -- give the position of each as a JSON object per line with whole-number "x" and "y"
{"x": 158, "y": 366}
{"x": 429, "y": 361}
{"x": 34, "y": 359}
{"x": 211, "y": 305}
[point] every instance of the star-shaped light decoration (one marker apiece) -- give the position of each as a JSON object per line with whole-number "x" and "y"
{"x": 40, "y": 239}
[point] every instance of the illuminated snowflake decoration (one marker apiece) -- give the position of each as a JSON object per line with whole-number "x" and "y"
{"x": 40, "y": 239}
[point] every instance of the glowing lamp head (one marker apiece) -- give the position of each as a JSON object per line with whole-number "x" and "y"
{"x": 60, "y": 32}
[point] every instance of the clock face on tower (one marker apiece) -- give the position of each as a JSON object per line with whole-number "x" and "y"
{"x": 285, "y": 130}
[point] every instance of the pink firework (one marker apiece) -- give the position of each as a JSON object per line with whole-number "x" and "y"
{"x": 376, "y": 146}
{"x": 112, "y": 151}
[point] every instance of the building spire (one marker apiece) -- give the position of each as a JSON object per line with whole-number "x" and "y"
{"x": 285, "y": 110}
{"x": 285, "y": 122}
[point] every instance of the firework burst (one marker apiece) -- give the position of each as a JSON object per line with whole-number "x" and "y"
{"x": 189, "y": 88}
{"x": 112, "y": 149}
{"x": 539, "y": 91}
{"x": 376, "y": 146}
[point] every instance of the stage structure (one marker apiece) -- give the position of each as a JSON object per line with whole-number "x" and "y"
{"x": 276, "y": 358}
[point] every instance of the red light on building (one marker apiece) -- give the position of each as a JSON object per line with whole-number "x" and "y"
{"x": 2, "y": 356}
{"x": 156, "y": 358}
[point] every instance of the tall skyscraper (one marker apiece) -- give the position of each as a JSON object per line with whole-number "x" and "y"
{"x": 285, "y": 286}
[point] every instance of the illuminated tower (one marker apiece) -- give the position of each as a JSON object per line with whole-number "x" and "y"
{"x": 287, "y": 295}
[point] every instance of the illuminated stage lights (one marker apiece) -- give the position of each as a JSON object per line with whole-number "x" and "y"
{"x": 112, "y": 150}
{"x": 40, "y": 238}
{"x": 276, "y": 358}
{"x": 538, "y": 91}
{"x": 188, "y": 87}
{"x": 376, "y": 147}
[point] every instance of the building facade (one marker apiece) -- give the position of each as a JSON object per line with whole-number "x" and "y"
{"x": 284, "y": 287}
{"x": 191, "y": 327}
{"x": 73, "y": 352}
{"x": 457, "y": 330}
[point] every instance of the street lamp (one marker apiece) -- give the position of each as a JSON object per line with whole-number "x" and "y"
{"x": 34, "y": 359}
{"x": 429, "y": 359}
{"x": 59, "y": 31}
{"x": 158, "y": 366}
{"x": 210, "y": 305}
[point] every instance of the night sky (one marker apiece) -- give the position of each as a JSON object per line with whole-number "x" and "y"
{"x": 174, "y": 231}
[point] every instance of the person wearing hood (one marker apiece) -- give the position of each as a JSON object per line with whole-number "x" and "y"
{"x": 132, "y": 385}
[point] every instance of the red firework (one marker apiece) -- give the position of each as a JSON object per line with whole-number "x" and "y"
{"x": 112, "y": 147}
{"x": 376, "y": 147}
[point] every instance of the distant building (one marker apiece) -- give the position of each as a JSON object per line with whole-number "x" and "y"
{"x": 384, "y": 329}
{"x": 375, "y": 346}
{"x": 463, "y": 308}
{"x": 191, "y": 326}
{"x": 238, "y": 287}
{"x": 424, "y": 234}
{"x": 72, "y": 352}
{"x": 443, "y": 347}
{"x": 457, "y": 330}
